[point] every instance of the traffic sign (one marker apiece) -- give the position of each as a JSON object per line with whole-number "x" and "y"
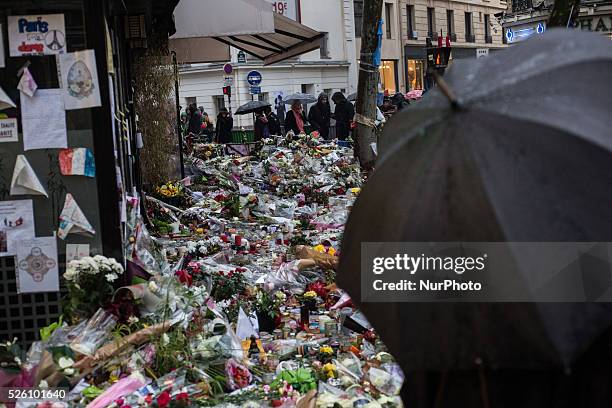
{"x": 254, "y": 78}
{"x": 228, "y": 81}
{"x": 255, "y": 90}
{"x": 228, "y": 68}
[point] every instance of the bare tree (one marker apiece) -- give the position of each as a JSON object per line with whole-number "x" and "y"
{"x": 365, "y": 107}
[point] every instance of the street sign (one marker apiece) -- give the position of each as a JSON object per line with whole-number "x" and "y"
{"x": 254, "y": 78}
{"x": 242, "y": 57}
{"x": 255, "y": 90}
{"x": 228, "y": 81}
{"x": 228, "y": 68}
{"x": 482, "y": 52}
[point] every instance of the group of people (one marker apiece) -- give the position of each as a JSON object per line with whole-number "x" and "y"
{"x": 195, "y": 122}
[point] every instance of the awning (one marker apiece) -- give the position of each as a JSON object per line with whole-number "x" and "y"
{"x": 248, "y": 25}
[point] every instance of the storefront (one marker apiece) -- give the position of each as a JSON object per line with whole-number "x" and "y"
{"x": 388, "y": 76}
{"x": 68, "y": 156}
{"x": 415, "y": 60}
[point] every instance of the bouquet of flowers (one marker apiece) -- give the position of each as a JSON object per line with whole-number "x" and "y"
{"x": 90, "y": 285}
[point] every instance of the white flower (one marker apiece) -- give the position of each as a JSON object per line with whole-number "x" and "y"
{"x": 17, "y": 360}
{"x": 165, "y": 339}
{"x": 65, "y": 362}
{"x": 133, "y": 319}
{"x": 69, "y": 371}
{"x": 111, "y": 277}
{"x": 43, "y": 384}
{"x": 153, "y": 286}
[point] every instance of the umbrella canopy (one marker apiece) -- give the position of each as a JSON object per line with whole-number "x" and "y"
{"x": 352, "y": 97}
{"x": 251, "y": 107}
{"x": 526, "y": 158}
{"x": 299, "y": 97}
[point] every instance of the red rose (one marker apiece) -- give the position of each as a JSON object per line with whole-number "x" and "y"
{"x": 163, "y": 399}
{"x": 184, "y": 277}
{"x": 182, "y": 397}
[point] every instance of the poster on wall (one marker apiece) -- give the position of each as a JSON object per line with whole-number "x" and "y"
{"x": 16, "y": 223}
{"x": 79, "y": 78}
{"x": 43, "y": 119}
{"x": 36, "y": 35}
{"x": 2, "y": 61}
{"x": 8, "y": 130}
{"x": 37, "y": 265}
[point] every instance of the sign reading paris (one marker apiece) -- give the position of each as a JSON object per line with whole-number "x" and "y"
{"x": 36, "y": 35}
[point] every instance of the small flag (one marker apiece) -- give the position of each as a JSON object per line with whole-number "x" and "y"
{"x": 77, "y": 162}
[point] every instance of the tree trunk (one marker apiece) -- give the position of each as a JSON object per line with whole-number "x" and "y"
{"x": 564, "y": 13}
{"x": 367, "y": 87}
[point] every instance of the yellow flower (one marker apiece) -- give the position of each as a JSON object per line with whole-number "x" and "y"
{"x": 326, "y": 350}
{"x": 355, "y": 190}
{"x": 199, "y": 230}
{"x": 319, "y": 248}
{"x": 113, "y": 379}
{"x": 331, "y": 251}
{"x": 310, "y": 294}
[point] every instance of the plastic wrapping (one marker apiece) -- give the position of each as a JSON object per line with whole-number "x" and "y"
{"x": 237, "y": 375}
{"x": 385, "y": 382}
{"x": 95, "y": 332}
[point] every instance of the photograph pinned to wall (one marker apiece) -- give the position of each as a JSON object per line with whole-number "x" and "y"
{"x": 27, "y": 84}
{"x": 5, "y": 101}
{"x": 72, "y": 220}
{"x": 8, "y": 130}
{"x": 43, "y": 34}
{"x": 76, "y": 251}
{"x": 2, "y": 60}
{"x": 37, "y": 265}
{"x": 43, "y": 120}
{"x": 79, "y": 78}
{"x": 16, "y": 222}
{"x": 77, "y": 161}
{"x": 25, "y": 181}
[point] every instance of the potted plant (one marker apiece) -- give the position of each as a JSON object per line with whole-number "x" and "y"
{"x": 267, "y": 308}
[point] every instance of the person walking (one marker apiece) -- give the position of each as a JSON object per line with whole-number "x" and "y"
{"x": 344, "y": 113}
{"x": 195, "y": 120}
{"x": 261, "y": 129}
{"x": 320, "y": 115}
{"x": 274, "y": 125}
{"x": 225, "y": 123}
{"x": 207, "y": 128}
{"x": 295, "y": 119}
{"x": 279, "y": 105}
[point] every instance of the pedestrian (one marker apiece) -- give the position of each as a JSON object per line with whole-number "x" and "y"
{"x": 279, "y": 105}
{"x": 261, "y": 129}
{"x": 388, "y": 108}
{"x": 295, "y": 119}
{"x": 320, "y": 115}
{"x": 195, "y": 120}
{"x": 183, "y": 123}
{"x": 344, "y": 114}
{"x": 225, "y": 123}
{"x": 399, "y": 101}
{"x": 274, "y": 125}
{"x": 207, "y": 128}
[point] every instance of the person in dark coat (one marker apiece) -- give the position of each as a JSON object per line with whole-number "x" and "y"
{"x": 274, "y": 125}
{"x": 295, "y": 119}
{"x": 195, "y": 120}
{"x": 208, "y": 128}
{"x": 344, "y": 113}
{"x": 261, "y": 129}
{"x": 320, "y": 116}
{"x": 225, "y": 123}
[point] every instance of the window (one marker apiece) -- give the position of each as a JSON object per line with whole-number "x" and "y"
{"x": 389, "y": 20}
{"x": 358, "y": 16}
{"x": 324, "y": 50}
{"x": 431, "y": 22}
{"x": 410, "y": 22}
{"x": 262, "y": 97}
{"x": 219, "y": 102}
{"x": 487, "y": 29}
{"x": 469, "y": 35}
{"x": 189, "y": 100}
{"x": 388, "y": 76}
{"x": 450, "y": 22}
{"x": 416, "y": 73}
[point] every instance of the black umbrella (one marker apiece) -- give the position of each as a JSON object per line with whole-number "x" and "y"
{"x": 303, "y": 98}
{"x": 525, "y": 156}
{"x": 251, "y": 107}
{"x": 352, "y": 97}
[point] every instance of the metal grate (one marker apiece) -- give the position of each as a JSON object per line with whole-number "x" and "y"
{"x": 22, "y": 315}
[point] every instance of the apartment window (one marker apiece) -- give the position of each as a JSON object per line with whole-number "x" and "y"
{"x": 358, "y": 16}
{"x": 450, "y": 22}
{"x": 410, "y": 22}
{"x": 389, "y": 20}
{"x": 469, "y": 32}
{"x": 431, "y": 22}
{"x": 324, "y": 50}
{"x": 189, "y": 100}
{"x": 487, "y": 29}
{"x": 219, "y": 102}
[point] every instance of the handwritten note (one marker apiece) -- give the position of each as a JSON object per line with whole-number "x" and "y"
{"x": 44, "y": 120}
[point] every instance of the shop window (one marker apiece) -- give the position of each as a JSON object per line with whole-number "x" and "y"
{"x": 388, "y": 76}
{"x": 415, "y": 72}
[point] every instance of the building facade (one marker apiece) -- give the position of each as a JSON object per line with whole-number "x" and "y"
{"x": 328, "y": 69}
{"x": 526, "y": 18}
{"x": 472, "y": 26}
